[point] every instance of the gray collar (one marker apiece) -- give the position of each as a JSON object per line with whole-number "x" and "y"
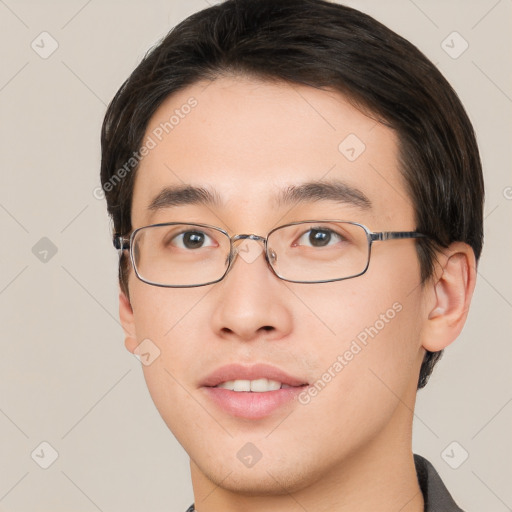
{"x": 435, "y": 493}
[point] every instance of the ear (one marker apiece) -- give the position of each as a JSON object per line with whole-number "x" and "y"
{"x": 450, "y": 295}
{"x": 127, "y": 321}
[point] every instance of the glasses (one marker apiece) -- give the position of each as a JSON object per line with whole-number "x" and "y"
{"x": 178, "y": 255}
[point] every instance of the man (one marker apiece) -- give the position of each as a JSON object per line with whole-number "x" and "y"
{"x": 296, "y": 195}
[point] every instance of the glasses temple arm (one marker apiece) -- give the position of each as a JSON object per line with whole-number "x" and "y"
{"x": 396, "y": 235}
{"x": 120, "y": 243}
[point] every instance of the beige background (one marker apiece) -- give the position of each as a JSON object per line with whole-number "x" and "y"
{"x": 65, "y": 376}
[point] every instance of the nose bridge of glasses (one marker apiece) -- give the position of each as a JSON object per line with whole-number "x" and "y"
{"x": 248, "y": 252}
{"x": 239, "y": 245}
{"x": 256, "y": 238}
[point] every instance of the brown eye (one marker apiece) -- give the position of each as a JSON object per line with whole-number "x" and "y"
{"x": 192, "y": 240}
{"x": 319, "y": 237}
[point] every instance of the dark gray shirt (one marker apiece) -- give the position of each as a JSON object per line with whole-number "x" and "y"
{"x": 435, "y": 494}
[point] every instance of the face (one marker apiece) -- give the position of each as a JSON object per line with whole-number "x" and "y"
{"x": 354, "y": 344}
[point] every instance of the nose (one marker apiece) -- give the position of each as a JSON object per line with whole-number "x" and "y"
{"x": 251, "y": 301}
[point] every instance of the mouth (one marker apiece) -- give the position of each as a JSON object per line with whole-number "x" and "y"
{"x": 252, "y": 392}
{"x": 261, "y": 385}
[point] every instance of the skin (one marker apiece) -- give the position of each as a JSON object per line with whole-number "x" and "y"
{"x": 349, "y": 448}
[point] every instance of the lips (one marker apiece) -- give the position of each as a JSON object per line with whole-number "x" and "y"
{"x": 230, "y": 388}
{"x": 234, "y": 372}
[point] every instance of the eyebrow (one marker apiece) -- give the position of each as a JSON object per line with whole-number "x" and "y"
{"x": 334, "y": 190}
{"x": 180, "y": 195}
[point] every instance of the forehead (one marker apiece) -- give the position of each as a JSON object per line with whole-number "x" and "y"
{"x": 247, "y": 140}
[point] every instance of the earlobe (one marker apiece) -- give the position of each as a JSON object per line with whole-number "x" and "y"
{"x": 451, "y": 295}
{"x": 127, "y": 321}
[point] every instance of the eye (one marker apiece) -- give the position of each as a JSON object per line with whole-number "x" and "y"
{"x": 192, "y": 240}
{"x": 319, "y": 237}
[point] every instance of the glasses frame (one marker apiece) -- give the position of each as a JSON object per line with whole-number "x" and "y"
{"x": 121, "y": 243}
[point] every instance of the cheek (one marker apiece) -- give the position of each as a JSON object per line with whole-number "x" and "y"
{"x": 369, "y": 348}
{"x": 360, "y": 308}
{"x": 159, "y": 312}
{"x": 170, "y": 323}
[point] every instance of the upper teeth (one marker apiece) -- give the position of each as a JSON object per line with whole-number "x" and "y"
{"x": 258, "y": 385}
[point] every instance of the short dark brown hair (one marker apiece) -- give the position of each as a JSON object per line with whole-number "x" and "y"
{"x": 323, "y": 45}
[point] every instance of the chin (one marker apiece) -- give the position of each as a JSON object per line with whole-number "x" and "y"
{"x": 265, "y": 478}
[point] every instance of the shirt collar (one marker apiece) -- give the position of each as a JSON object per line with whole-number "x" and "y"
{"x": 435, "y": 493}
